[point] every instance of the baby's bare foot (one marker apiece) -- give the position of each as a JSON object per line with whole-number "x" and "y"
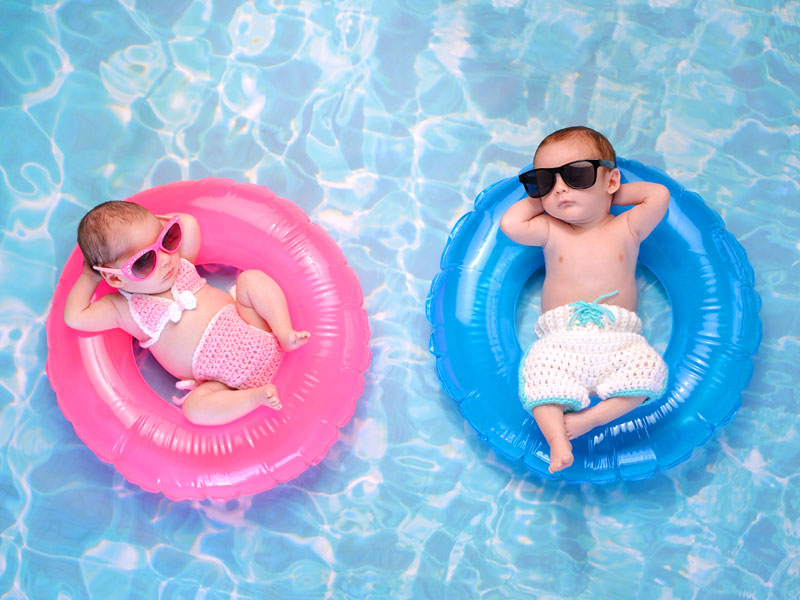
{"x": 294, "y": 340}
{"x": 560, "y": 455}
{"x": 268, "y": 395}
{"x": 578, "y": 423}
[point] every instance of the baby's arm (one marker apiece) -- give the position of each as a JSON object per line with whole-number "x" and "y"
{"x": 526, "y": 223}
{"x": 83, "y": 314}
{"x": 650, "y": 201}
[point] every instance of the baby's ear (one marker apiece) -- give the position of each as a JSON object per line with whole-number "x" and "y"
{"x": 614, "y": 179}
{"x": 113, "y": 280}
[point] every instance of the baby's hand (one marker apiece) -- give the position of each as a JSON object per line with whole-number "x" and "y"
{"x": 89, "y": 272}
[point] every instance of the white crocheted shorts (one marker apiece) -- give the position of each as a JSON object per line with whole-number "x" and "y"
{"x": 605, "y": 355}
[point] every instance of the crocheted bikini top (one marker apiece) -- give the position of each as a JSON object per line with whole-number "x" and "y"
{"x": 153, "y": 313}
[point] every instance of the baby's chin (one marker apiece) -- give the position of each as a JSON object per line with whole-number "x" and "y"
{"x": 575, "y": 215}
{"x": 156, "y": 287}
{"x": 571, "y": 217}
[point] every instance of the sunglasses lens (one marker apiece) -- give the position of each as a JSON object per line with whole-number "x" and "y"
{"x": 545, "y": 179}
{"x": 172, "y": 239}
{"x": 579, "y": 175}
{"x": 144, "y": 266}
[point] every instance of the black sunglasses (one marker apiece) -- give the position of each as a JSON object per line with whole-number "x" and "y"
{"x": 579, "y": 175}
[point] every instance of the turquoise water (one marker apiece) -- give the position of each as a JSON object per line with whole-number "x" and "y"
{"x": 383, "y": 121}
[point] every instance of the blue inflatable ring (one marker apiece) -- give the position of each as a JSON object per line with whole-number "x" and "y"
{"x": 715, "y": 330}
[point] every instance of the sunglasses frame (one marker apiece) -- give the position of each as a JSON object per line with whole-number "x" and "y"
{"x": 127, "y": 268}
{"x": 525, "y": 178}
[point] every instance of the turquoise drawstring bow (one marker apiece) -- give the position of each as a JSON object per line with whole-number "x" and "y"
{"x": 586, "y": 312}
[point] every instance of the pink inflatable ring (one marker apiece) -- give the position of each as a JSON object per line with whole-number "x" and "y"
{"x": 148, "y": 440}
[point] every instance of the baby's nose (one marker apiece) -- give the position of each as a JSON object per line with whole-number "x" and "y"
{"x": 163, "y": 258}
{"x": 559, "y": 184}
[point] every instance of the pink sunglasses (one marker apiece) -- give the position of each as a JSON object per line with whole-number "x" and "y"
{"x": 142, "y": 265}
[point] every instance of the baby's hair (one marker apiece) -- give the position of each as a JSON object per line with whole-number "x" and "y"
{"x": 99, "y": 230}
{"x": 597, "y": 139}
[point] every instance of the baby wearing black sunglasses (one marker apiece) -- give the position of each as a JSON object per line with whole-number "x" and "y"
{"x": 589, "y": 336}
{"x": 224, "y": 350}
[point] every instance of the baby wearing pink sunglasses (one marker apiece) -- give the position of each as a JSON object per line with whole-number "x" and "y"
{"x": 224, "y": 350}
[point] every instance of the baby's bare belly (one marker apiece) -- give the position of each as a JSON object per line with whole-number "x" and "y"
{"x": 558, "y": 292}
{"x": 175, "y": 348}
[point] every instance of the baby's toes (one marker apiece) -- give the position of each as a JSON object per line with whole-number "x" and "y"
{"x": 296, "y": 339}
{"x": 271, "y": 397}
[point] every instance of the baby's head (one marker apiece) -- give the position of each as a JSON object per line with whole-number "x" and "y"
{"x": 595, "y": 143}
{"x": 130, "y": 247}
{"x": 574, "y": 175}
{"x": 102, "y": 233}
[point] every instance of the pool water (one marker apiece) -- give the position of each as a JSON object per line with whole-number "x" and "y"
{"x": 383, "y": 121}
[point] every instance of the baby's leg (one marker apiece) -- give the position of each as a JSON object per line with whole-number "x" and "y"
{"x": 550, "y": 419}
{"x": 261, "y": 303}
{"x": 214, "y": 403}
{"x": 578, "y": 423}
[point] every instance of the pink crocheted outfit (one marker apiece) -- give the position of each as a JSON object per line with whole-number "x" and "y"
{"x": 153, "y": 313}
{"x": 230, "y": 351}
{"x": 234, "y": 352}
